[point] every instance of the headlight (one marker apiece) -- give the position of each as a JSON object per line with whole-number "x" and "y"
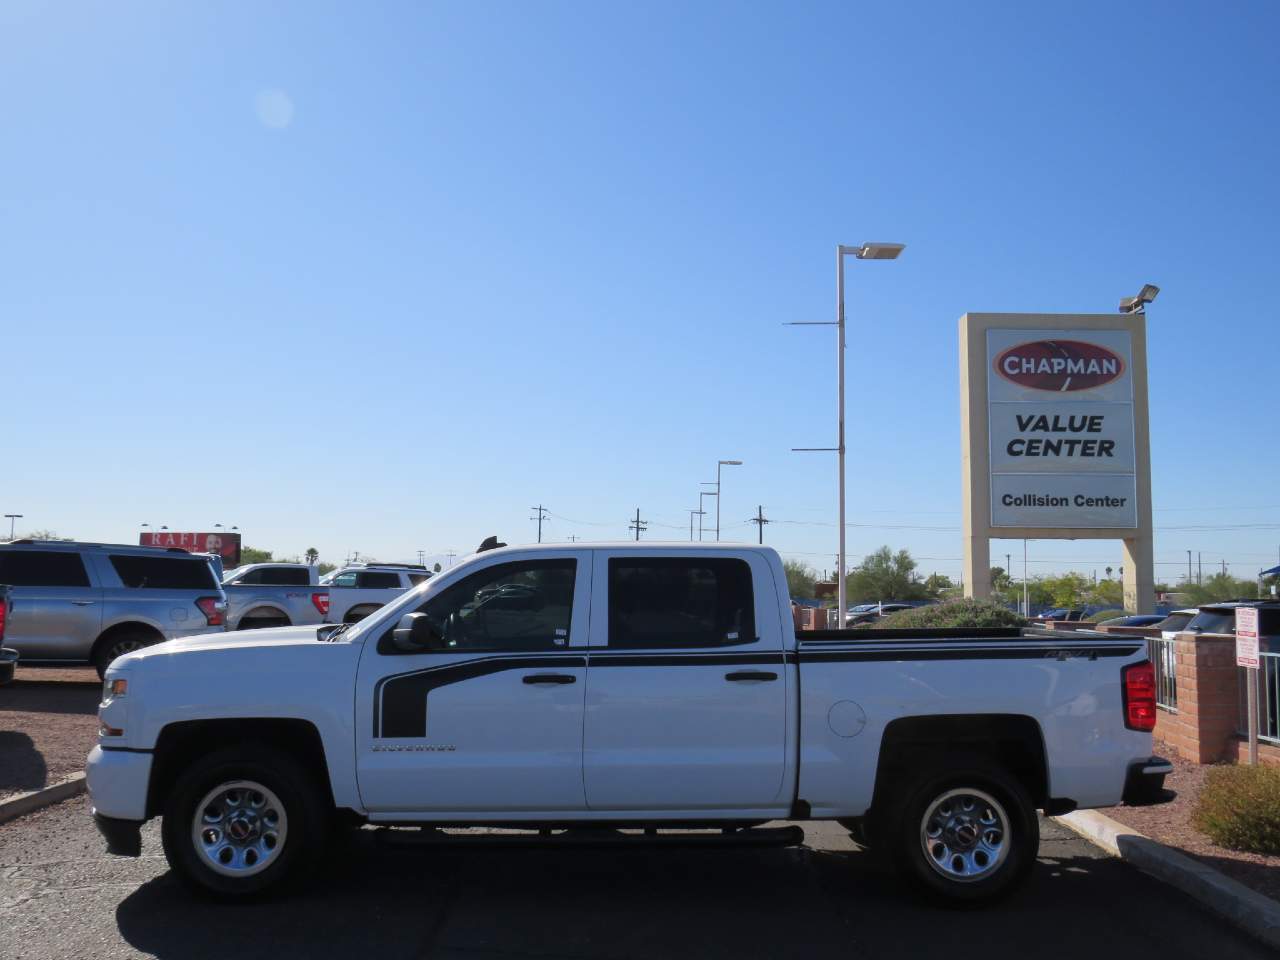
{"x": 114, "y": 687}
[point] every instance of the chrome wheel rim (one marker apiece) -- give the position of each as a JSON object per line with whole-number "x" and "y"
{"x": 239, "y": 828}
{"x": 965, "y": 835}
{"x": 124, "y": 646}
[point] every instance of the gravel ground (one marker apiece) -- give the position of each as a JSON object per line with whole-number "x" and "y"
{"x": 1170, "y": 823}
{"x": 48, "y": 723}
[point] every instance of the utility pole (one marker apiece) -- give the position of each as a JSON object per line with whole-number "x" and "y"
{"x": 573, "y": 538}
{"x": 1188, "y": 566}
{"x": 702, "y": 508}
{"x": 449, "y": 558}
{"x": 1224, "y": 566}
{"x": 422, "y": 558}
{"x": 1008, "y": 567}
{"x": 1199, "y": 567}
{"x": 638, "y": 525}
{"x": 17, "y": 516}
{"x": 541, "y": 513}
{"x": 1026, "y": 603}
{"x": 759, "y": 521}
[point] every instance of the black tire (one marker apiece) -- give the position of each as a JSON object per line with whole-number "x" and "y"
{"x": 261, "y": 623}
{"x": 118, "y": 645}
{"x": 305, "y": 814}
{"x": 1000, "y": 806}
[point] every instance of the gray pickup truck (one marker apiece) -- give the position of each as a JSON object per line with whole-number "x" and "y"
{"x": 274, "y": 595}
{"x": 92, "y": 602}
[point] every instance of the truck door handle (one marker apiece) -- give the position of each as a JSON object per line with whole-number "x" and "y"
{"x": 751, "y": 675}
{"x": 550, "y": 678}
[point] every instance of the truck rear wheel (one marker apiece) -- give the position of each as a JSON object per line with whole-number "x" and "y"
{"x": 968, "y": 833}
{"x": 244, "y": 822}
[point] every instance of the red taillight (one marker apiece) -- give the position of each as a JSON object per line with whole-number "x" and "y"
{"x": 1139, "y": 682}
{"x": 4, "y": 615}
{"x": 214, "y": 610}
{"x": 321, "y": 601}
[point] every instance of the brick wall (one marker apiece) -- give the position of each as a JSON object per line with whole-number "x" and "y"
{"x": 1204, "y": 728}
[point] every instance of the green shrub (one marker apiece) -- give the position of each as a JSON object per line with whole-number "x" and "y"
{"x": 1239, "y": 808}
{"x": 954, "y": 614}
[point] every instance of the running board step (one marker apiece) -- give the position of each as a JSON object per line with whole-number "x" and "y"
{"x": 789, "y": 836}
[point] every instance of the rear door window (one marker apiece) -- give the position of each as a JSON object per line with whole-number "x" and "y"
{"x": 677, "y": 602}
{"x": 42, "y": 568}
{"x": 163, "y": 573}
{"x": 285, "y": 577}
{"x": 377, "y": 580}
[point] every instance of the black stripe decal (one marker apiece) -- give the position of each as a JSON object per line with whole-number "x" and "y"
{"x": 683, "y": 659}
{"x": 400, "y": 701}
{"x": 1005, "y": 653}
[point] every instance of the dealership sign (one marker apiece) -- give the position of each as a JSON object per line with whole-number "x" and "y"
{"x": 225, "y": 545}
{"x": 1061, "y": 429}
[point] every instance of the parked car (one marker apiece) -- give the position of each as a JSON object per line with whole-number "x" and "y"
{"x": 356, "y": 590}
{"x": 624, "y": 686}
{"x": 1176, "y": 622}
{"x": 8, "y": 657}
{"x": 876, "y": 612}
{"x": 1136, "y": 620}
{"x": 1062, "y": 614}
{"x": 92, "y": 602}
{"x": 263, "y": 595}
{"x": 1221, "y": 618}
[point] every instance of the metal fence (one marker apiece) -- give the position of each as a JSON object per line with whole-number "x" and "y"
{"x": 1165, "y": 661}
{"x": 1268, "y": 698}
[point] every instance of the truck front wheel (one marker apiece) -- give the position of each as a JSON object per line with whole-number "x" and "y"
{"x": 968, "y": 833}
{"x": 243, "y": 822}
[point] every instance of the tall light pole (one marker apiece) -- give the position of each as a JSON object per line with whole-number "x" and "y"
{"x": 702, "y": 510}
{"x": 692, "y": 514}
{"x": 11, "y": 518}
{"x": 719, "y": 464}
{"x": 867, "y": 251}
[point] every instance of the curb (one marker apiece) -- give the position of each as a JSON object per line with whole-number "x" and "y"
{"x": 25, "y": 803}
{"x": 1229, "y": 899}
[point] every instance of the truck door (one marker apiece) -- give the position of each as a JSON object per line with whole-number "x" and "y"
{"x": 490, "y": 721}
{"x": 686, "y": 691}
{"x": 55, "y": 613}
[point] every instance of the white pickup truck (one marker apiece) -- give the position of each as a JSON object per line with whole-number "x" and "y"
{"x": 624, "y": 687}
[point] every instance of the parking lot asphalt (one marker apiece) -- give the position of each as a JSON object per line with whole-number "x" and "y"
{"x": 62, "y": 896}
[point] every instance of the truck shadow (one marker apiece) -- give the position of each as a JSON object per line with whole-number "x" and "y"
{"x": 50, "y": 696}
{"x": 22, "y": 766}
{"x": 622, "y": 903}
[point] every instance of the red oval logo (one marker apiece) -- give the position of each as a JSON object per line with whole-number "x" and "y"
{"x": 1059, "y": 365}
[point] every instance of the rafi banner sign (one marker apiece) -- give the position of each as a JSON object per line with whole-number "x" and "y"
{"x": 1061, "y": 429}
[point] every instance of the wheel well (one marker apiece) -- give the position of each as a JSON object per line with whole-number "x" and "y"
{"x": 181, "y": 743}
{"x": 119, "y": 629}
{"x": 360, "y": 611}
{"x": 1013, "y": 741}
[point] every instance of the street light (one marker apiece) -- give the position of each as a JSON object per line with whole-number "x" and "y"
{"x": 12, "y": 517}
{"x": 702, "y": 511}
{"x": 866, "y": 251}
{"x": 1138, "y": 304}
{"x": 719, "y": 464}
{"x": 692, "y": 514}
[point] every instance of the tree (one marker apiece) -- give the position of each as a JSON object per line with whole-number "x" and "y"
{"x": 327, "y": 568}
{"x": 436, "y": 568}
{"x": 800, "y": 578}
{"x": 1067, "y": 590}
{"x": 1220, "y": 586}
{"x": 1000, "y": 580}
{"x": 313, "y": 556}
{"x": 250, "y": 555}
{"x": 937, "y": 584}
{"x": 1108, "y": 593}
{"x": 43, "y": 535}
{"x": 885, "y": 575}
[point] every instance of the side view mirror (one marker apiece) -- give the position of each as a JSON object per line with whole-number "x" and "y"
{"x": 415, "y": 633}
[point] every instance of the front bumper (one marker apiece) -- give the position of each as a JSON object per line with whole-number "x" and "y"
{"x": 124, "y": 837}
{"x": 1144, "y": 783}
{"x": 118, "y": 781}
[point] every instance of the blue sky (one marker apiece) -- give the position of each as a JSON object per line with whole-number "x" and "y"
{"x": 380, "y": 277}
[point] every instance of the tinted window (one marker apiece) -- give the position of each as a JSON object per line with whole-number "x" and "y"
{"x": 42, "y": 568}
{"x": 1214, "y": 621}
{"x": 285, "y": 576}
{"x": 417, "y": 578}
{"x": 525, "y": 605}
{"x": 164, "y": 573}
{"x": 672, "y": 602}
{"x": 1175, "y": 621}
{"x": 378, "y": 581}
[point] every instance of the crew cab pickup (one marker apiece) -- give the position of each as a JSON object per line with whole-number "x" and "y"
{"x": 621, "y": 686}
{"x": 356, "y": 590}
{"x": 274, "y": 595}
